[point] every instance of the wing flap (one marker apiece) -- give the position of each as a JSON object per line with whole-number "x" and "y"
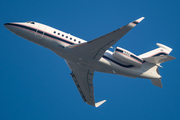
{"x": 78, "y": 86}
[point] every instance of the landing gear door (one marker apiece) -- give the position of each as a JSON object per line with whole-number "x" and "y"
{"x": 40, "y": 31}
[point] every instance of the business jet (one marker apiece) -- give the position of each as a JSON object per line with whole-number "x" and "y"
{"x": 86, "y": 57}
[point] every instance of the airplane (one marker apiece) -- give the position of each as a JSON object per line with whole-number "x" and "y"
{"x": 86, "y": 57}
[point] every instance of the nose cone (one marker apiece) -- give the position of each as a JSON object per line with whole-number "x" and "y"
{"x": 9, "y": 26}
{"x": 6, "y": 25}
{"x": 13, "y": 27}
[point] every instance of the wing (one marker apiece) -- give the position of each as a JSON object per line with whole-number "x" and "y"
{"x": 83, "y": 78}
{"x": 97, "y": 47}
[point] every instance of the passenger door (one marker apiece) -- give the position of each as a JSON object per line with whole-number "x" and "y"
{"x": 40, "y": 31}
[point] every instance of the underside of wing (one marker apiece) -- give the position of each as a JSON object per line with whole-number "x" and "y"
{"x": 83, "y": 78}
{"x": 97, "y": 47}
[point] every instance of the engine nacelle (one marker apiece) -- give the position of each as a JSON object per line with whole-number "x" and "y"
{"x": 127, "y": 57}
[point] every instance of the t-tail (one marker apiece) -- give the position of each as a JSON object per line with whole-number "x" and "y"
{"x": 153, "y": 59}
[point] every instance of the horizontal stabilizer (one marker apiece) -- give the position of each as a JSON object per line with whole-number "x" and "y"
{"x": 99, "y": 103}
{"x": 159, "y": 59}
{"x": 157, "y": 82}
{"x": 164, "y": 47}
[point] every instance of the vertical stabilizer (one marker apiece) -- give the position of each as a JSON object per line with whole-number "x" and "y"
{"x": 162, "y": 50}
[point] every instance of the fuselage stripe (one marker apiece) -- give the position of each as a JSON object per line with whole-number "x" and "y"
{"x": 159, "y": 54}
{"x": 71, "y": 43}
{"x": 126, "y": 66}
{"x": 41, "y": 32}
{"x": 139, "y": 60}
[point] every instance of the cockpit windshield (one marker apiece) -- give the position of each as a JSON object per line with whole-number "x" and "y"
{"x": 31, "y": 22}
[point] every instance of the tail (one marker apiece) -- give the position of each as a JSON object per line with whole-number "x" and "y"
{"x": 155, "y": 58}
{"x": 162, "y": 50}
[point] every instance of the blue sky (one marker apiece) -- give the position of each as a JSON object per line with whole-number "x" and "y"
{"x": 35, "y": 83}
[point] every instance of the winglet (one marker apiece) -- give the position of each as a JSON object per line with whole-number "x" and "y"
{"x": 140, "y": 19}
{"x": 99, "y": 103}
{"x": 134, "y": 23}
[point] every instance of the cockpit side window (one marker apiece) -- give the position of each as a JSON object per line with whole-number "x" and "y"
{"x": 31, "y": 22}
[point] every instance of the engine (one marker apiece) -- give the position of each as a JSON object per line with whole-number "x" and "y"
{"x": 127, "y": 57}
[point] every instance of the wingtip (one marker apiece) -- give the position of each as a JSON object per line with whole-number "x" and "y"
{"x": 140, "y": 19}
{"x": 99, "y": 103}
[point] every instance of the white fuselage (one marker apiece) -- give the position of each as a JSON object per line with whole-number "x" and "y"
{"x": 57, "y": 41}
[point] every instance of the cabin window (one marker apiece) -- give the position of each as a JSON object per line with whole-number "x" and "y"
{"x": 74, "y": 39}
{"x": 58, "y": 33}
{"x": 54, "y": 32}
{"x": 62, "y": 35}
{"x": 70, "y": 38}
{"x": 66, "y": 36}
{"x": 79, "y": 41}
